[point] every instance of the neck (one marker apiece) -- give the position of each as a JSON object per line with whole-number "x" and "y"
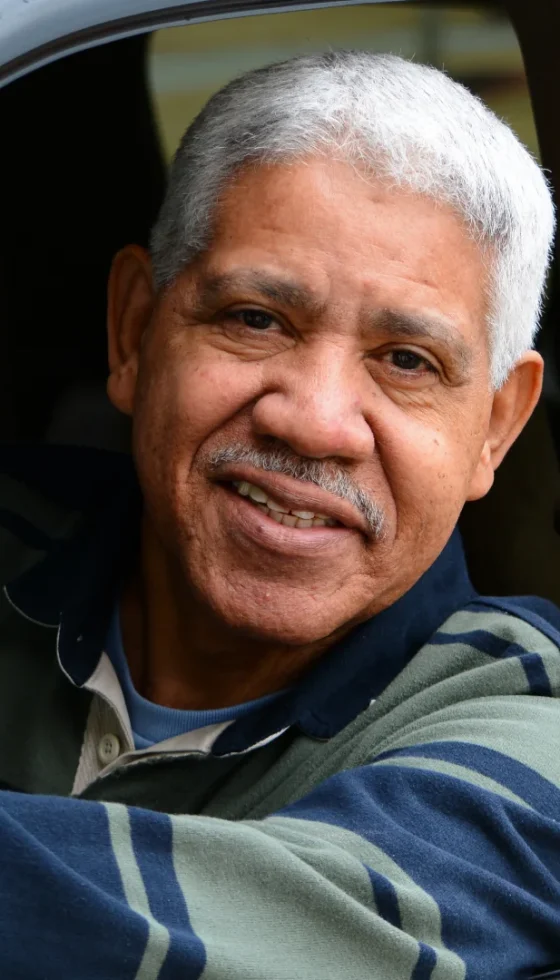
{"x": 182, "y": 656}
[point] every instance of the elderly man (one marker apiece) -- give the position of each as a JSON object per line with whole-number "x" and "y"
{"x": 298, "y": 744}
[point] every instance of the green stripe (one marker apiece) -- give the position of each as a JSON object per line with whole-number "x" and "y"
{"x": 500, "y": 624}
{"x": 435, "y": 676}
{"x": 524, "y": 728}
{"x": 419, "y": 912}
{"x": 292, "y": 899}
{"x": 135, "y": 892}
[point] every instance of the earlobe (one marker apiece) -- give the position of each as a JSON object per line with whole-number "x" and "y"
{"x": 483, "y": 477}
{"x": 121, "y": 385}
{"x": 130, "y": 305}
{"x": 512, "y": 408}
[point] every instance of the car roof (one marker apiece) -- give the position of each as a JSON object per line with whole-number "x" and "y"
{"x": 36, "y": 32}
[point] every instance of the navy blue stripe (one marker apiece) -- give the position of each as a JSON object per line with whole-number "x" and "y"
{"x": 494, "y": 646}
{"x": 152, "y": 839}
{"x": 491, "y": 865}
{"x": 63, "y": 911}
{"x": 501, "y": 648}
{"x": 427, "y": 961}
{"x": 535, "y": 671}
{"x": 520, "y": 779}
{"x": 385, "y": 896}
{"x": 541, "y": 614}
{"x": 387, "y": 902}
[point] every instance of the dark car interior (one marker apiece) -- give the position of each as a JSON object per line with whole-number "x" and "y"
{"x": 84, "y": 177}
{"x": 84, "y": 173}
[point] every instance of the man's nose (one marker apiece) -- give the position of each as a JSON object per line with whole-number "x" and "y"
{"x": 318, "y": 409}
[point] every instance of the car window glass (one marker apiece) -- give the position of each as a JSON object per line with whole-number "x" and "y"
{"x": 476, "y": 46}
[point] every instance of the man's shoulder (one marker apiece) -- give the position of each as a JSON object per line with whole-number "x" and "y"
{"x": 496, "y": 658}
{"x": 504, "y": 625}
{"x": 482, "y": 696}
{"x": 493, "y": 646}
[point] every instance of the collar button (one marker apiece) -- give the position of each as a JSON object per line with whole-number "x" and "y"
{"x": 108, "y": 749}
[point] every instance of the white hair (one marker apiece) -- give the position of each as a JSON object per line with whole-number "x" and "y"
{"x": 406, "y": 123}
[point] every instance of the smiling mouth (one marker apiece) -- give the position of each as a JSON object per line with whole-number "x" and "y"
{"x": 289, "y": 518}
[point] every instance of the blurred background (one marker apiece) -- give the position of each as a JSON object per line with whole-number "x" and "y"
{"x": 476, "y": 46}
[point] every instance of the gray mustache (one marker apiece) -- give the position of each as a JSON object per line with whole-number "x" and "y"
{"x": 323, "y": 475}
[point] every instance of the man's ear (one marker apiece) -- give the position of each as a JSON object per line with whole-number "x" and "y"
{"x": 512, "y": 408}
{"x": 130, "y": 305}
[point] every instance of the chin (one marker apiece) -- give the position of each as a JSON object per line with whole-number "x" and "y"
{"x": 301, "y": 624}
{"x": 274, "y": 611}
{"x": 279, "y": 634}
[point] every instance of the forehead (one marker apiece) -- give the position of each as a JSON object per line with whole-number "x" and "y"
{"x": 342, "y": 236}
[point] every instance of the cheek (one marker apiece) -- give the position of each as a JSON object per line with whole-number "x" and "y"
{"x": 183, "y": 398}
{"x": 429, "y": 471}
{"x": 200, "y": 398}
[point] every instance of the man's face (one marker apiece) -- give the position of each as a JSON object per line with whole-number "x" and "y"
{"x": 335, "y": 321}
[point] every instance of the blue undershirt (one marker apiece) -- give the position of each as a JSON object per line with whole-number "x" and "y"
{"x": 152, "y": 723}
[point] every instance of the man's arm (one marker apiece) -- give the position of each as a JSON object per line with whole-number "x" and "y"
{"x": 440, "y": 859}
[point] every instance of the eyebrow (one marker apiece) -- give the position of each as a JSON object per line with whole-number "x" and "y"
{"x": 399, "y": 324}
{"x": 284, "y": 291}
{"x": 419, "y": 326}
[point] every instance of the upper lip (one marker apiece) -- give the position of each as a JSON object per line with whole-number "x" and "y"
{"x": 296, "y": 495}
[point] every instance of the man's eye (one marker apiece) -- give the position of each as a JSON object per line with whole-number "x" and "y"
{"x": 255, "y": 319}
{"x": 408, "y": 360}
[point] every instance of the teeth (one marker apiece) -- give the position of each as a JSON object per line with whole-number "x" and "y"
{"x": 257, "y": 494}
{"x": 272, "y": 505}
{"x": 280, "y": 514}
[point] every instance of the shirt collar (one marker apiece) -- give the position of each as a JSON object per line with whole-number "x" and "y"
{"x": 75, "y": 585}
{"x": 359, "y": 668}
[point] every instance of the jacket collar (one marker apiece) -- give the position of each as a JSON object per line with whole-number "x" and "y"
{"x": 359, "y": 668}
{"x": 75, "y": 584}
